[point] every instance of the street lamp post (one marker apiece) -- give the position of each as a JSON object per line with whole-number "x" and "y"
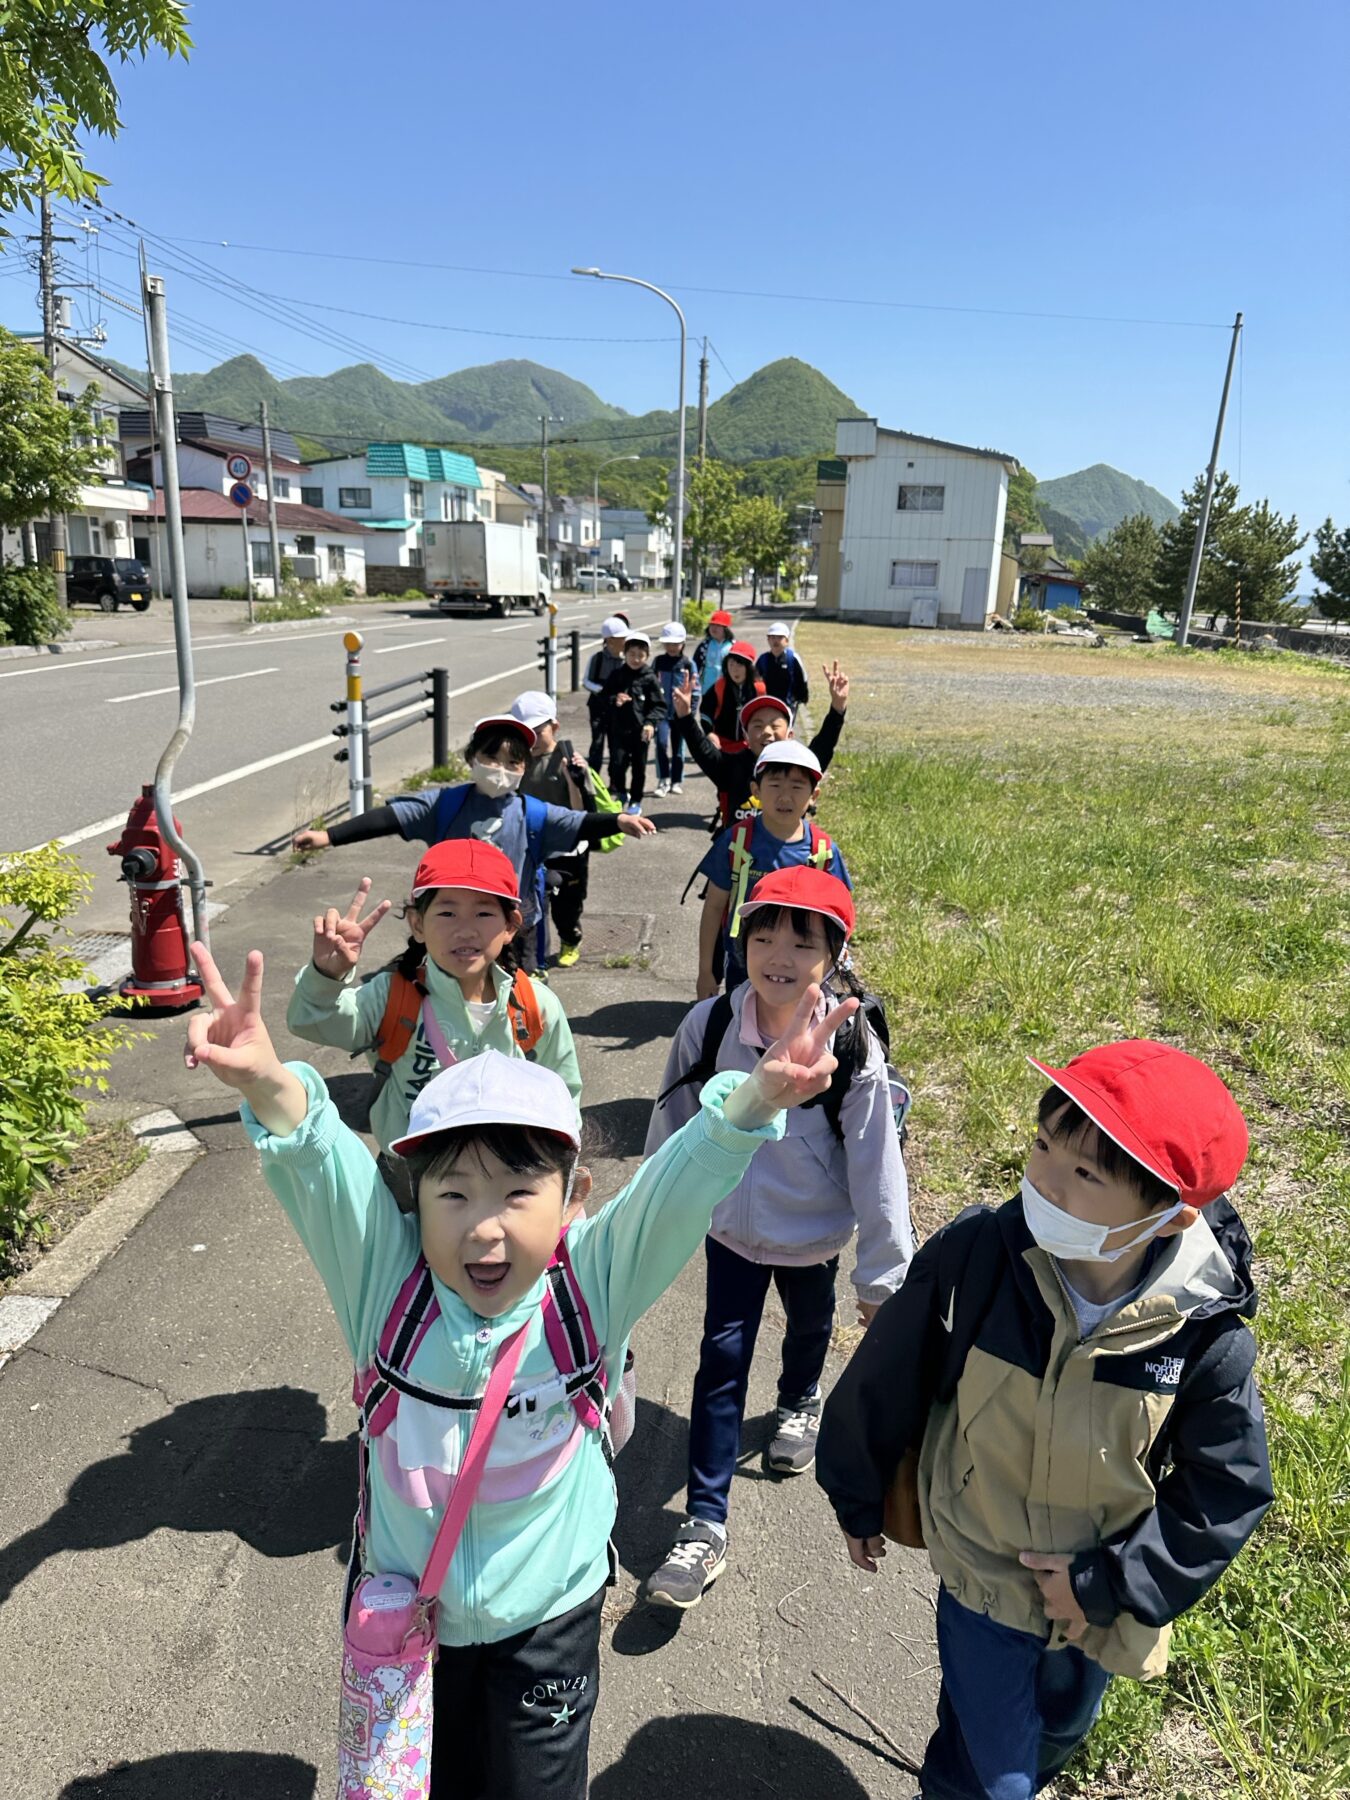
{"x": 677, "y": 570}
{"x": 595, "y": 495}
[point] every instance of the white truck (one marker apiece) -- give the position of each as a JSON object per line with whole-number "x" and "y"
{"x": 486, "y": 563}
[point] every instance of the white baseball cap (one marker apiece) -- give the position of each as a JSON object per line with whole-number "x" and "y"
{"x": 491, "y": 1089}
{"x": 673, "y": 633}
{"x": 636, "y": 637}
{"x": 789, "y": 752}
{"x": 779, "y": 629}
{"x": 612, "y": 627}
{"x": 534, "y": 708}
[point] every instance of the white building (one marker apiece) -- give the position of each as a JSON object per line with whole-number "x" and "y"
{"x": 647, "y": 548}
{"x": 922, "y": 528}
{"x": 391, "y": 489}
{"x": 322, "y": 546}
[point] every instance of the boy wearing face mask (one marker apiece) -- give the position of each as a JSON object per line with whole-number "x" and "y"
{"x": 1081, "y": 1445}
{"x": 488, "y": 807}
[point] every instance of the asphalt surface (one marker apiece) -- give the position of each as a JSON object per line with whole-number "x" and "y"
{"x": 179, "y": 1471}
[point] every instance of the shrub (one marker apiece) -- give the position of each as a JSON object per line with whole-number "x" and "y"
{"x": 1072, "y": 615}
{"x": 233, "y": 593}
{"x": 53, "y": 1044}
{"x": 783, "y": 597}
{"x": 28, "y": 608}
{"x": 289, "y": 606}
{"x": 1028, "y": 618}
{"x": 694, "y": 616}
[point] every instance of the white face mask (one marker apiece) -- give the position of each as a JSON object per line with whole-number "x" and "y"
{"x": 1060, "y": 1234}
{"x": 492, "y": 781}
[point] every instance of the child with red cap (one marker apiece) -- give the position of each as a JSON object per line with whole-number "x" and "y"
{"x": 1078, "y": 1441}
{"x": 453, "y": 993}
{"x": 838, "y": 1171}
{"x": 712, "y": 648}
{"x": 722, "y": 702}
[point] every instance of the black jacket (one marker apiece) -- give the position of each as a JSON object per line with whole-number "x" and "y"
{"x": 646, "y": 705}
{"x": 730, "y": 771}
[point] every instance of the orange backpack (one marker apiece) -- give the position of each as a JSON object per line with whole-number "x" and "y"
{"x": 403, "y": 1005}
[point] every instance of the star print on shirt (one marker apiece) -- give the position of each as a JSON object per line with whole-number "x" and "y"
{"x": 563, "y": 1716}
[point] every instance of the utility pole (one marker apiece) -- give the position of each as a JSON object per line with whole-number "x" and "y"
{"x": 46, "y": 265}
{"x": 545, "y": 420}
{"x": 1202, "y": 524}
{"x": 271, "y": 510}
{"x": 702, "y": 451}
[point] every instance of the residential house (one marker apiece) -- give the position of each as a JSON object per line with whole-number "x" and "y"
{"x": 827, "y": 533}
{"x": 922, "y": 528}
{"x": 392, "y": 489}
{"x": 647, "y": 548}
{"x": 573, "y": 536}
{"x": 111, "y": 513}
{"x": 323, "y": 545}
{"x": 1043, "y": 580}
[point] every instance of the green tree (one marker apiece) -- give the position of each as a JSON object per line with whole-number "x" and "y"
{"x": 1023, "y": 512}
{"x": 55, "y": 84}
{"x": 47, "y": 448}
{"x": 1330, "y": 564}
{"x": 710, "y": 487}
{"x": 761, "y": 536}
{"x": 1261, "y": 550}
{"x": 1119, "y": 569}
{"x": 1214, "y": 590}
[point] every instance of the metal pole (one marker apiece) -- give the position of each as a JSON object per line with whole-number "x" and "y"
{"x": 248, "y": 562}
{"x": 1202, "y": 525}
{"x": 576, "y": 662}
{"x": 356, "y": 727}
{"x": 551, "y": 652}
{"x": 544, "y": 422}
{"x": 440, "y": 717}
{"x": 273, "y": 538}
{"x": 702, "y": 451}
{"x": 157, "y": 329}
{"x": 57, "y": 519}
{"x": 676, "y": 609}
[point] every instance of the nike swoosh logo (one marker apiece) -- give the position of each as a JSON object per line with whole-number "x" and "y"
{"x": 950, "y": 1319}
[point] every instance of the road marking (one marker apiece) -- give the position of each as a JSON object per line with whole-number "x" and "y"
{"x": 57, "y": 663}
{"x": 524, "y": 625}
{"x": 418, "y": 644}
{"x": 215, "y": 681}
{"x": 270, "y": 762}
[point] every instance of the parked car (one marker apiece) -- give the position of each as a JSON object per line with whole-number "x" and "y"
{"x": 597, "y": 581}
{"x": 108, "y": 582}
{"x": 624, "y": 580}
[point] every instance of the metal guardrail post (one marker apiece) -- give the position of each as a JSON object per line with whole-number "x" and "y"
{"x": 551, "y": 652}
{"x": 576, "y": 661}
{"x": 440, "y": 717}
{"x": 358, "y": 781}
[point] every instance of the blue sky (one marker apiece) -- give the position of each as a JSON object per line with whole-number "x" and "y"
{"x": 1144, "y": 162}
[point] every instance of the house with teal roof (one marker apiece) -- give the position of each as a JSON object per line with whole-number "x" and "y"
{"x": 393, "y": 489}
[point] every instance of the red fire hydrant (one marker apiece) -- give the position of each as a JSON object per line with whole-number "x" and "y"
{"x": 161, "y": 971}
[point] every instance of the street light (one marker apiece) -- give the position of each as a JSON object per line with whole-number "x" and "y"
{"x": 595, "y": 495}
{"x": 677, "y": 570}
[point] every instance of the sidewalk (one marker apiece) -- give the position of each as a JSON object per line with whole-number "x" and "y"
{"x": 180, "y": 1473}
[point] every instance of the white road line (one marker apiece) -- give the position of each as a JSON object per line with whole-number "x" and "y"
{"x": 215, "y": 681}
{"x": 58, "y": 663}
{"x": 417, "y": 644}
{"x": 524, "y": 625}
{"x": 269, "y": 762}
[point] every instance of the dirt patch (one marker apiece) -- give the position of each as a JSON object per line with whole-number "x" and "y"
{"x": 107, "y": 1155}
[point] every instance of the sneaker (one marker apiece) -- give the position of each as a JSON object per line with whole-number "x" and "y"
{"x": 792, "y": 1450}
{"x": 662, "y": 787}
{"x": 697, "y": 1557}
{"x": 677, "y": 787}
{"x": 569, "y": 956}
{"x": 634, "y": 809}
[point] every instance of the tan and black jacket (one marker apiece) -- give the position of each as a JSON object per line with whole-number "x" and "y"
{"x": 1139, "y": 1451}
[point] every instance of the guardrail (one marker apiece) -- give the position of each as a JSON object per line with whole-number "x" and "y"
{"x": 435, "y": 686}
{"x": 548, "y": 661}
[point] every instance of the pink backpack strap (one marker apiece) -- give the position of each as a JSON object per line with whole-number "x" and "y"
{"x": 413, "y": 1313}
{"x": 431, "y": 1030}
{"x": 572, "y": 1343}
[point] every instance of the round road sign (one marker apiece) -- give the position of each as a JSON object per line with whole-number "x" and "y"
{"x": 241, "y": 493}
{"x": 238, "y": 468}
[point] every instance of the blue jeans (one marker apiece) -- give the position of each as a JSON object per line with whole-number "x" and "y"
{"x": 669, "y": 760}
{"x": 737, "y": 1290}
{"x": 1011, "y": 1711}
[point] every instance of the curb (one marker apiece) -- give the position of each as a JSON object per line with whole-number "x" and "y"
{"x": 290, "y": 624}
{"x": 9, "y": 651}
{"x": 35, "y": 1296}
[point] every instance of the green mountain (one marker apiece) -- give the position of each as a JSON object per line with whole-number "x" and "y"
{"x": 502, "y": 402}
{"x": 1071, "y": 541}
{"x": 787, "y": 408}
{"x": 1098, "y": 498}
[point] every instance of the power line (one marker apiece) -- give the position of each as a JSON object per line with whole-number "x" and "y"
{"x": 725, "y": 370}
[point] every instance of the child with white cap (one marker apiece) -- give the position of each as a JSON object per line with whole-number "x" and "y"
{"x": 636, "y": 705}
{"x": 471, "y": 1282}
{"x": 777, "y": 836}
{"x": 559, "y": 775}
{"x": 671, "y": 668}
{"x": 601, "y": 666}
{"x": 781, "y": 669}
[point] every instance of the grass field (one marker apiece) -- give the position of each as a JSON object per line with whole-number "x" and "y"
{"x": 1055, "y": 846}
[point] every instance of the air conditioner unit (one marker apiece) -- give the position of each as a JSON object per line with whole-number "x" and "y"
{"x": 117, "y": 528}
{"x": 306, "y": 568}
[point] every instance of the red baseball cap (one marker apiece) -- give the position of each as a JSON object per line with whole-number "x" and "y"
{"x": 509, "y": 722}
{"x": 1167, "y": 1110}
{"x": 807, "y": 889}
{"x": 467, "y": 863}
{"x": 721, "y": 618}
{"x": 763, "y": 703}
{"x": 746, "y": 652}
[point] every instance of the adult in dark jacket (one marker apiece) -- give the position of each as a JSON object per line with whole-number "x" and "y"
{"x": 762, "y": 720}
{"x": 782, "y": 670}
{"x": 635, "y": 703}
{"x": 721, "y": 704}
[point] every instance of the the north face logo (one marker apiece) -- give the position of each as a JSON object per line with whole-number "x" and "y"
{"x": 1166, "y": 1371}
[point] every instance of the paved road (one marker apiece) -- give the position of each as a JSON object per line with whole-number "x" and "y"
{"x": 82, "y": 733}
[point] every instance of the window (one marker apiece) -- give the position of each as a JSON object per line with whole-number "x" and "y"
{"x": 914, "y": 574}
{"x": 337, "y": 559}
{"x": 350, "y": 499}
{"x": 417, "y": 500}
{"x": 262, "y": 558}
{"x": 415, "y": 556}
{"x": 304, "y": 546}
{"x": 311, "y": 496}
{"x": 281, "y": 486}
{"x": 455, "y": 504}
{"x": 920, "y": 499}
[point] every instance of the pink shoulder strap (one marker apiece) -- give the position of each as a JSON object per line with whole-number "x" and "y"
{"x": 445, "y": 1056}
{"x": 475, "y": 1461}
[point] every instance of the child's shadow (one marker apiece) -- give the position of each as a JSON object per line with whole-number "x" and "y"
{"x": 201, "y": 1775}
{"x": 705, "y": 1756}
{"x": 256, "y": 1464}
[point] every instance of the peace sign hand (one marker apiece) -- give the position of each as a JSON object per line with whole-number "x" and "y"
{"x": 339, "y": 938}
{"x": 794, "y": 1069}
{"x": 234, "y": 1044}
{"x": 838, "y": 685}
{"x": 683, "y": 696}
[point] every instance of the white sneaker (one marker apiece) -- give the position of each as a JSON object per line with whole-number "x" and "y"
{"x": 677, "y": 787}
{"x": 662, "y": 787}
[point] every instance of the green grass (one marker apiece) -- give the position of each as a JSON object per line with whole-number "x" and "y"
{"x": 1042, "y": 896}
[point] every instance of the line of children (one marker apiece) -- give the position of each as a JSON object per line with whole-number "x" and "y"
{"x": 673, "y": 670}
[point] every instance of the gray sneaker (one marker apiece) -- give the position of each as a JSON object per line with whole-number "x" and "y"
{"x": 697, "y": 1557}
{"x": 792, "y": 1450}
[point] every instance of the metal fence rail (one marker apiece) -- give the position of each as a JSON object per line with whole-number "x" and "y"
{"x": 435, "y": 691}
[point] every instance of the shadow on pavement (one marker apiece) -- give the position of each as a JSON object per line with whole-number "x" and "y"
{"x": 198, "y": 1469}
{"x": 614, "y": 1128}
{"x": 201, "y": 1775}
{"x": 637, "y": 1022}
{"x": 703, "y": 1756}
{"x": 871, "y": 1745}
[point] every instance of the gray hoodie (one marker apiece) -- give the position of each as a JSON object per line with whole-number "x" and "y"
{"x": 801, "y": 1199}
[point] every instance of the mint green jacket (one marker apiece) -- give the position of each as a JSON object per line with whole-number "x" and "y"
{"x": 524, "y": 1560}
{"x": 348, "y": 1014}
